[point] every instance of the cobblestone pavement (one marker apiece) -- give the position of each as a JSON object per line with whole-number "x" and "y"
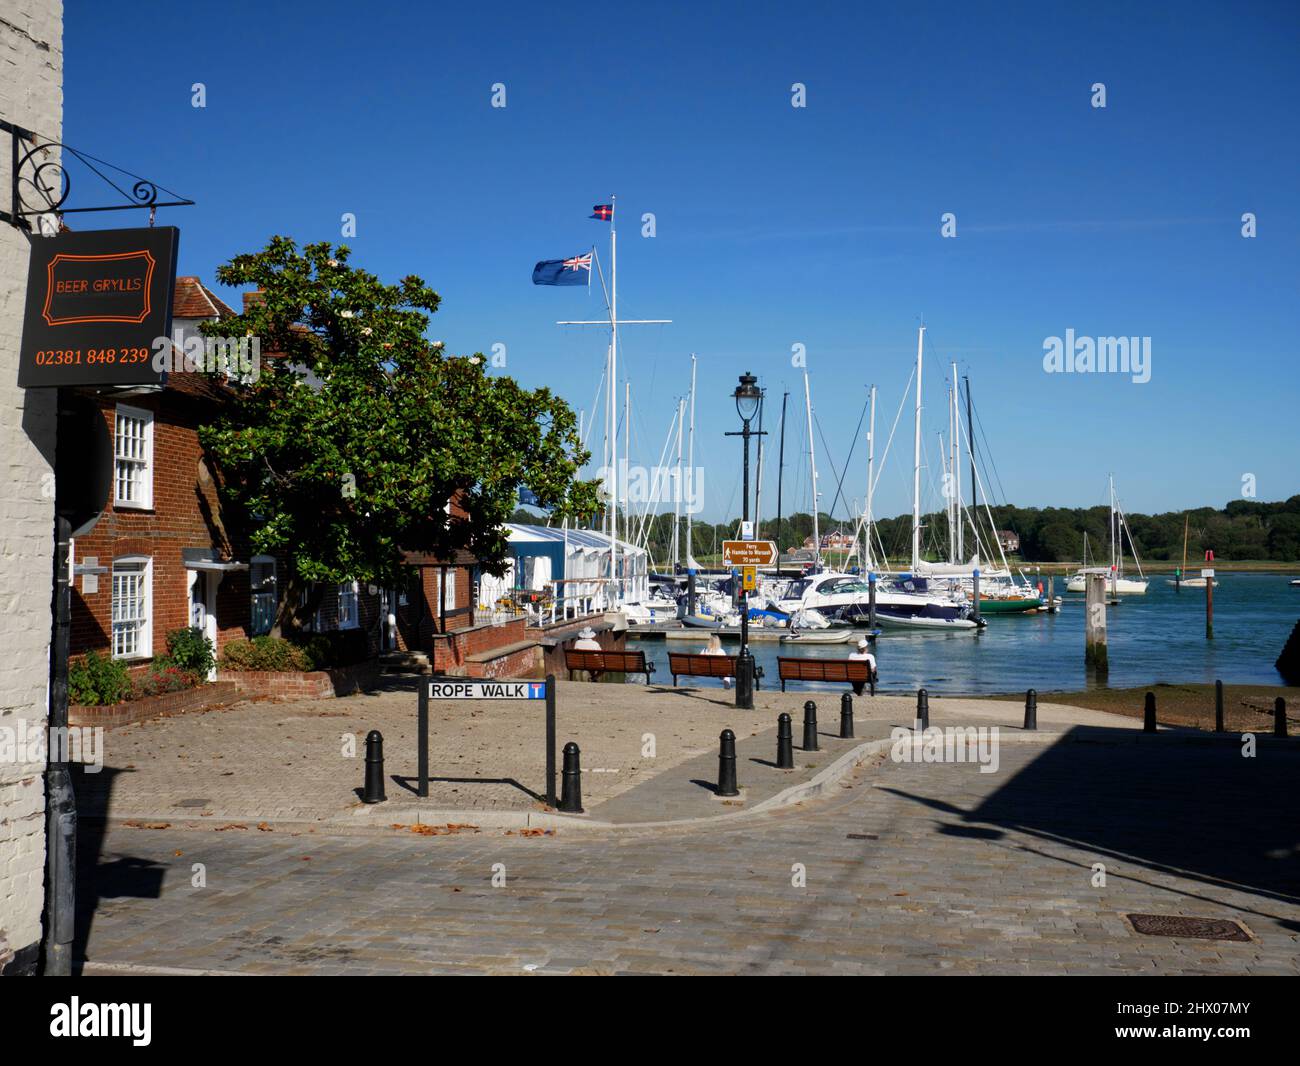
{"x": 910, "y": 868}
{"x": 287, "y": 761}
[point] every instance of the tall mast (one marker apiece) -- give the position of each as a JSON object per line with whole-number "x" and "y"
{"x": 613, "y": 393}
{"x": 916, "y": 458}
{"x": 956, "y": 465}
{"x": 1114, "y": 562}
{"x": 677, "y": 503}
{"x": 949, "y": 469}
{"x": 690, "y": 473}
{"x": 780, "y": 475}
{"x": 868, "y": 558}
{"x": 970, "y": 442}
{"x": 812, "y": 462}
{"x": 627, "y": 459}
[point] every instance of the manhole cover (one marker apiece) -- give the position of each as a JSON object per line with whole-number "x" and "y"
{"x": 1173, "y": 925}
{"x": 192, "y": 803}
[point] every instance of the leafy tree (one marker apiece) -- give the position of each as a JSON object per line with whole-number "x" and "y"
{"x": 348, "y": 446}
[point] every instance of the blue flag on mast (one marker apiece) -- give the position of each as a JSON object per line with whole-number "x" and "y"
{"x": 573, "y": 271}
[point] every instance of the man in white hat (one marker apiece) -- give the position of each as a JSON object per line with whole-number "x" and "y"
{"x": 587, "y": 642}
{"x": 863, "y": 653}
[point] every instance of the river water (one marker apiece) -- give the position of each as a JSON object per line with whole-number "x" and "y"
{"x": 1158, "y": 637}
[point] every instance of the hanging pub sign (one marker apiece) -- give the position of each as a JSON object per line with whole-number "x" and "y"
{"x": 97, "y": 304}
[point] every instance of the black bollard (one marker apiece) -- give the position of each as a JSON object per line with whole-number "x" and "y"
{"x": 1031, "y": 709}
{"x": 1218, "y": 706}
{"x": 784, "y": 743}
{"x": 727, "y": 764}
{"x": 1279, "y": 717}
{"x": 373, "y": 792}
{"x": 1149, "y": 714}
{"x": 846, "y": 717}
{"x": 922, "y": 709}
{"x": 810, "y": 726}
{"x": 571, "y": 780}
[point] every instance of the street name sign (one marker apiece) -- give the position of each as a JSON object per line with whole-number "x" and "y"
{"x": 444, "y": 689}
{"x": 97, "y": 304}
{"x": 749, "y": 552}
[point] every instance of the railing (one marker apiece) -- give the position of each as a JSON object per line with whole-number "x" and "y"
{"x": 560, "y": 601}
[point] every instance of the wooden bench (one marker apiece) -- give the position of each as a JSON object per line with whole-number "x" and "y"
{"x": 683, "y": 665}
{"x": 613, "y": 662}
{"x": 855, "y": 672}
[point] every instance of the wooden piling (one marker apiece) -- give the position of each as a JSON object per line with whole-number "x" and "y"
{"x": 1209, "y": 606}
{"x": 1094, "y": 625}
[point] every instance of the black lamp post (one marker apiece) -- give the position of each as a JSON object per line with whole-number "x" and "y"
{"x": 748, "y": 396}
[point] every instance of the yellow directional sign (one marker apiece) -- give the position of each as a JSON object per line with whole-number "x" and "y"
{"x": 749, "y": 552}
{"x": 749, "y": 578}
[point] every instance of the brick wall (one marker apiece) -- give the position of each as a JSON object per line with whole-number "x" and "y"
{"x": 202, "y": 698}
{"x": 31, "y": 95}
{"x": 292, "y": 685}
{"x": 450, "y": 651}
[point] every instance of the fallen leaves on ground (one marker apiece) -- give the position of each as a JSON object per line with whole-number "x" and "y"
{"x": 232, "y": 825}
{"x": 147, "y": 825}
{"x": 437, "y": 830}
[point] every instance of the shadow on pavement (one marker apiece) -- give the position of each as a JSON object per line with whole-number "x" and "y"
{"x": 98, "y": 880}
{"x": 1195, "y": 807}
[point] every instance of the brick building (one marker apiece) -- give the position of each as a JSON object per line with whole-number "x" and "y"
{"x": 31, "y": 96}
{"x": 164, "y": 555}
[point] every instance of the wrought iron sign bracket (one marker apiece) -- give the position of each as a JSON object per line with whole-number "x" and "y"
{"x": 40, "y": 183}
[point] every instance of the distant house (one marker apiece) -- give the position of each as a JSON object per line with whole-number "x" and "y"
{"x": 1010, "y": 541}
{"x": 838, "y": 541}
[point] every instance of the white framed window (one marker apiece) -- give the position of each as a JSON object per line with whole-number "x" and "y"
{"x": 348, "y": 618}
{"x": 133, "y": 457}
{"x": 132, "y": 603}
{"x": 450, "y": 592}
{"x": 261, "y": 578}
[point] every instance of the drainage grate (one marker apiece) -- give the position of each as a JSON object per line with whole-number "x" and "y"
{"x": 861, "y": 836}
{"x": 1173, "y": 925}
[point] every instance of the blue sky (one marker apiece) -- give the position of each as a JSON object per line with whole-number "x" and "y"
{"x": 778, "y": 225}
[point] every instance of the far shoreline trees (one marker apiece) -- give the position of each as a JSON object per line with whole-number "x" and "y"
{"x": 1242, "y": 530}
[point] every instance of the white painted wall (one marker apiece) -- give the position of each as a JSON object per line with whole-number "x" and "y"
{"x": 31, "y": 95}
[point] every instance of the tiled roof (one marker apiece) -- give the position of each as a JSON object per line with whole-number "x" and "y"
{"x": 193, "y": 299}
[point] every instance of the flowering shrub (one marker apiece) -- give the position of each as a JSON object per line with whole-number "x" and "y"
{"x": 165, "y": 677}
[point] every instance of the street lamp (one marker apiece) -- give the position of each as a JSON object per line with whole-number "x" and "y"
{"x": 748, "y": 396}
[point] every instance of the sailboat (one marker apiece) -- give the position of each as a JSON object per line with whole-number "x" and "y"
{"x": 1181, "y": 580}
{"x": 902, "y": 599}
{"x": 1118, "y": 584}
{"x": 1000, "y": 592}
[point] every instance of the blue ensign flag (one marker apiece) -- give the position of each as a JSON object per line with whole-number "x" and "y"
{"x": 574, "y": 271}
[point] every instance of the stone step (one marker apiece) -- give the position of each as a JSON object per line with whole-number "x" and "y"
{"x": 406, "y": 662}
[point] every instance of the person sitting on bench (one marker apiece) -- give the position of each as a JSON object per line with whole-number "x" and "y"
{"x": 863, "y": 653}
{"x": 714, "y": 647}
